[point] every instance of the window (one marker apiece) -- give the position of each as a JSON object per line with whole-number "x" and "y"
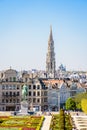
{"x": 34, "y": 100}
{"x": 34, "y": 86}
{"x": 14, "y": 94}
{"x": 45, "y": 93}
{"x": 2, "y": 108}
{"x": 38, "y": 93}
{"x": 45, "y": 99}
{"x": 10, "y": 87}
{"x": 6, "y": 100}
{"x": 29, "y": 86}
{"x": 3, "y": 100}
{"x": 17, "y": 86}
{"x": 38, "y": 100}
{"x": 10, "y": 93}
{"x": 13, "y": 100}
{"x": 6, "y": 87}
{"x": 3, "y": 93}
{"x": 18, "y": 94}
{"x": 34, "y": 93}
{"x": 29, "y": 93}
{"x": 29, "y": 100}
{"x": 18, "y": 100}
{"x": 6, "y": 93}
{"x": 51, "y": 65}
{"x": 3, "y": 87}
{"x": 10, "y": 100}
{"x": 14, "y": 79}
{"x": 10, "y": 79}
{"x": 38, "y": 86}
{"x": 42, "y": 93}
{"x": 42, "y": 100}
{"x": 6, "y": 79}
{"x": 25, "y": 79}
{"x": 14, "y": 87}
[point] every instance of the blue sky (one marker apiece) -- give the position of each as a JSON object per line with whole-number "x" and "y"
{"x": 25, "y": 27}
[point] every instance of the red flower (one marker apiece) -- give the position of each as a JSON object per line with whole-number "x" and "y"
{"x": 28, "y": 128}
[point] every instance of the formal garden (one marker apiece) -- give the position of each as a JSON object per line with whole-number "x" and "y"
{"x": 61, "y": 121}
{"x": 21, "y": 122}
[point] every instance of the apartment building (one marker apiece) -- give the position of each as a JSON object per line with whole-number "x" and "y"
{"x": 11, "y": 91}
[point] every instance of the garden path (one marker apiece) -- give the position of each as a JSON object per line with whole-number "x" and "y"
{"x": 46, "y": 123}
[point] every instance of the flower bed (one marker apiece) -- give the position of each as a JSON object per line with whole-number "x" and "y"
{"x": 21, "y": 123}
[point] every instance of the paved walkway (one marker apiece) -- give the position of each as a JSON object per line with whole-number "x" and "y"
{"x": 80, "y": 120}
{"x": 2, "y": 113}
{"x": 46, "y": 123}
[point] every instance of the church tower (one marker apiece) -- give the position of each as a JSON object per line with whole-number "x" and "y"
{"x": 50, "y": 57}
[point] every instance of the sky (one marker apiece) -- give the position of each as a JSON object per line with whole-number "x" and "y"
{"x": 25, "y": 28}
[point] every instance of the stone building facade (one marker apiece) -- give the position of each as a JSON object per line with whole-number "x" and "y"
{"x": 11, "y": 91}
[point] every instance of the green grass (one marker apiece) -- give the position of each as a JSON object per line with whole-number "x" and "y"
{"x": 4, "y": 128}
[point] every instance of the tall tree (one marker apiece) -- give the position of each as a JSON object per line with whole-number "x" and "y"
{"x": 78, "y": 99}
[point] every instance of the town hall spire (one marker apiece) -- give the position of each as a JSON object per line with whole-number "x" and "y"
{"x": 50, "y": 57}
{"x": 50, "y": 36}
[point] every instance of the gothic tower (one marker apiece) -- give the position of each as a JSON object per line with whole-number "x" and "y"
{"x": 50, "y": 57}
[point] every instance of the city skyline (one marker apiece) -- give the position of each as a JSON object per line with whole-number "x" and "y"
{"x": 25, "y": 29}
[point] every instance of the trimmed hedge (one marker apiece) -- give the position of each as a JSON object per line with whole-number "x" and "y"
{"x": 61, "y": 121}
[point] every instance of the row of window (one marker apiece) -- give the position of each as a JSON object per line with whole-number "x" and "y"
{"x": 37, "y": 93}
{"x": 34, "y": 93}
{"x": 13, "y": 87}
{"x": 34, "y": 86}
{"x": 10, "y": 100}
{"x": 11, "y": 79}
{"x": 18, "y": 86}
{"x": 10, "y": 94}
{"x": 37, "y": 100}
{"x": 34, "y": 100}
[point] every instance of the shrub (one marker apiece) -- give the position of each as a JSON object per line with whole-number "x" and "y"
{"x": 61, "y": 122}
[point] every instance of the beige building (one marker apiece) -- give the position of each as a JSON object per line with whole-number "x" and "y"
{"x": 11, "y": 91}
{"x": 43, "y": 94}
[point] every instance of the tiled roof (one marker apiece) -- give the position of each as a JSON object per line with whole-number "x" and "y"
{"x": 52, "y": 81}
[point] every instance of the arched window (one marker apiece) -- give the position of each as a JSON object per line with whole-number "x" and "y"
{"x": 34, "y": 86}
{"x": 34, "y": 93}
{"x": 51, "y": 65}
{"x": 6, "y": 100}
{"x": 38, "y": 86}
{"x": 6, "y": 79}
{"x": 14, "y": 79}
{"x": 38, "y": 93}
{"x": 10, "y": 79}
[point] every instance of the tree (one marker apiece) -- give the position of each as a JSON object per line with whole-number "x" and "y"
{"x": 78, "y": 99}
{"x": 84, "y": 105}
{"x": 70, "y": 104}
